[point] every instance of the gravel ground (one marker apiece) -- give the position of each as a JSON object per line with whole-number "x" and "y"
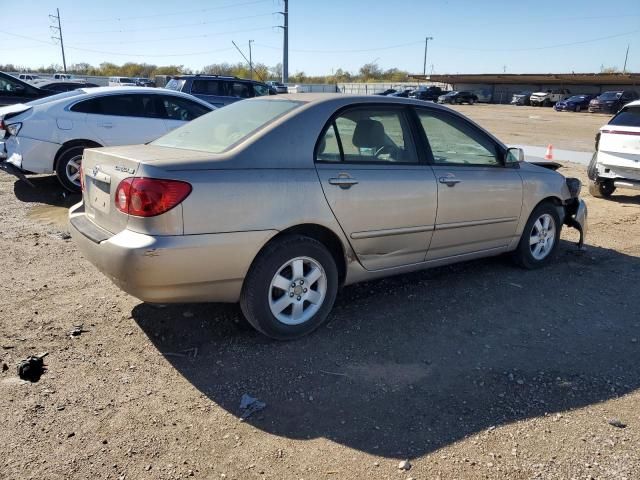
{"x": 477, "y": 370}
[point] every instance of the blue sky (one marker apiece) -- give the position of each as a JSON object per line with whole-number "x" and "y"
{"x": 469, "y": 37}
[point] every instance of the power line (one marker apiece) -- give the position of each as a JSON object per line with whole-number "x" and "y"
{"x": 172, "y": 14}
{"x": 173, "y": 26}
{"x": 155, "y": 40}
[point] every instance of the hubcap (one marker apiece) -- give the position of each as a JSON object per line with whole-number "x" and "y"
{"x": 73, "y": 170}
{"x": 297, "y": 291}
{"x": 543, "y": 236}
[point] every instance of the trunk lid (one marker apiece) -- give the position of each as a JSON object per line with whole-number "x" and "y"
{"x": 13, "y": 110}
{"x": 102, "y": 171}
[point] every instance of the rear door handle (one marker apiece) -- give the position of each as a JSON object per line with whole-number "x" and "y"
{"x": 449, "y": 181}
{"x": 343, "y": 182}
{"x": 106, "y": 125}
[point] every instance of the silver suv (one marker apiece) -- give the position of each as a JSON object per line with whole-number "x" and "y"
{"x": 218, "y": 90}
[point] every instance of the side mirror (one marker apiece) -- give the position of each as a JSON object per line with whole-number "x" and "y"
{"x": 513, "y": 156}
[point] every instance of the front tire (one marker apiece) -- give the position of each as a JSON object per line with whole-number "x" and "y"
{"x": 290, "y": 288}
{"x": 539, "y": 242}
{"x": 68, "y": 168}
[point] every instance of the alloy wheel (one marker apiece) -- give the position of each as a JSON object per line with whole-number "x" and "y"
{"x": 543, "y": 237}
{"x": 297, "y": 290}
{"x": 72, "y": 169}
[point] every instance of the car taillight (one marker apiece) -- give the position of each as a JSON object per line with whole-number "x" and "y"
{"x": 148, "y": 197}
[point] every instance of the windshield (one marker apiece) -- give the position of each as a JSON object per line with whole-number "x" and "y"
{"x": 127, "y": 80}
{"x": 451, "y": 93}
{"x": 576, "y": 98}
{"x": 627, "y": 117}
{"x": 221, "y": 129}
{"x": 53, "y": 98}
{"x": 610, "y": 96}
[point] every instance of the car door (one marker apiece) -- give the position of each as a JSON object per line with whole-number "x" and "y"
{"x": 382, "y": 195}
{"x": 176, "y": 111}
{"x": 479, "y": 199}
{"x": 123, "y": 119}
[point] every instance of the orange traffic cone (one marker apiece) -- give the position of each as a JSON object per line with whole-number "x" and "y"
{"x": 549, "y": 154}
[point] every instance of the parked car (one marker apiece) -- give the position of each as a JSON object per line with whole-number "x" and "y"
{"x": 13, "y": 90}
{"x": 144, "y": 82}
{"x": 521, "y": 98}
{"x": 430, "y": 94}
{"x": 458, "y": 97}
{"x": 276, "y": 203}
{"x": 403, "y": 94}
{"x": 122, "y": 82}
{"x": 49, "y": 135}
{"x": 28, "y": 77}
{"x": 218, "y": 90}
{"x": 575, "y": 103}
{"x": 548, "y": 98}
{"x": 56, "y": 86}
{"x": 616, "y": 162}
{"x": 278, "y": 86}
{"x": 611, "y": 102}
{"x": 485, "y": 95}
{"x": 386, "y": 92}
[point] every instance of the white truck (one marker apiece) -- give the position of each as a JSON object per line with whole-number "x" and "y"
{"x": 549, "y": 98}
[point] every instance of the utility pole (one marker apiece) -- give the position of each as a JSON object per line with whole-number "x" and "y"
{"x": 246, "y": 59}
{"x": 59, "y": 37}
{"x": 426, "y": 45}
{"x": 285, "y": 46}
{"x": 250, "y": 60}
{"x": 624, "y": 69}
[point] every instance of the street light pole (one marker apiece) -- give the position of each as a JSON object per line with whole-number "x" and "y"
{"x": 426, "y": 45}
{"x": 250, "y": 60}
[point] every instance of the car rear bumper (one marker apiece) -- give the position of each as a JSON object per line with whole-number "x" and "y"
{"x": 28, "y": 154}
{"x": 169, "y": 269}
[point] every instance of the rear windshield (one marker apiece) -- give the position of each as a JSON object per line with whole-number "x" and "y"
{"x": 53, "y": 98}
{"x": 627, "y": 117}
{"x": 126, "y": 80}
{"x": 175, "y": 84}
{"x": 221, "y": 129}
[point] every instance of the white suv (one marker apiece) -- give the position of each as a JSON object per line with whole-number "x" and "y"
{"x": 616, "y": 162}
{"x": 49, "y": 135}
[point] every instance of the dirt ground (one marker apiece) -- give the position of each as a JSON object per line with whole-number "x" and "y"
{"x": 521, "y": 125}
{"x": 473, "y": 371}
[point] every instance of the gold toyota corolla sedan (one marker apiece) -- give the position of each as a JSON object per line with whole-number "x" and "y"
{"x": 277, "y": 202}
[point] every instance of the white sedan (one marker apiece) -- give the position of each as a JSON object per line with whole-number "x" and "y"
{"x": 49, "y": 135}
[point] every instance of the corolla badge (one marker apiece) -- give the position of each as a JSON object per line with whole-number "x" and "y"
{"x": 120, "y": 168}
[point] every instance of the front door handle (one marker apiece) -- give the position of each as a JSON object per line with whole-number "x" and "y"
{"x": 343, "y": 182}
{"x": 450, "y": 181}
{"x": 106, "y": 125}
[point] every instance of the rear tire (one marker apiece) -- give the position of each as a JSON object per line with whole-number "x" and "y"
{"x": 68, "y": 167}
{"x": 290, "y": 288}
{"x": 578, "y": 108}
{"x": 602, "y": 188}
{"x": 540, "y": 238}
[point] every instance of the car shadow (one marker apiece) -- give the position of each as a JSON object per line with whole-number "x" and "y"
{"x": 45, "y": 190}
{"x": 628, "y": 199}
{"x": 409, "y": 364}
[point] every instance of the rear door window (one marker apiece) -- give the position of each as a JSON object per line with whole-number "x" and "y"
{"x": 131, "y": 105}
{"x": 627, "y": 117}
{"x": 208, "y": 87}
